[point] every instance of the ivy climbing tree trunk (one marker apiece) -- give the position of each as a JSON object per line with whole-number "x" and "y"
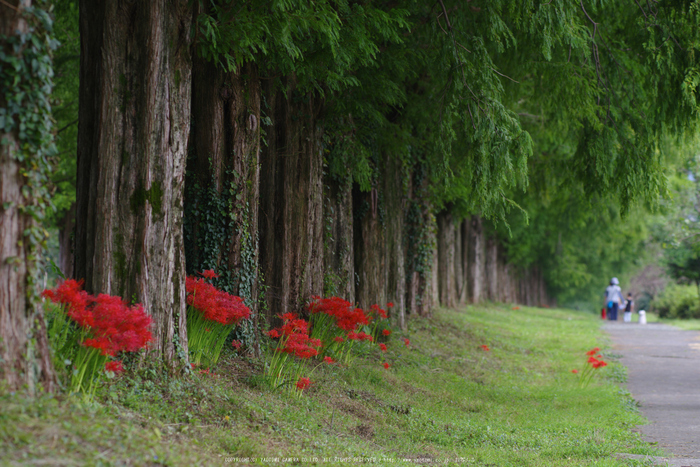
{"x": 291, "y": 200}
{"x": 224, "y": 183}
{"x": 395, "y": 254}
{"x": 25, "y": 358}
{"x": 135, "y": 84}
{"x": 419, "y": 226}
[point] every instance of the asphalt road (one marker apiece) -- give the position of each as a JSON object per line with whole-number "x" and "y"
{"x": 663, "y": 365}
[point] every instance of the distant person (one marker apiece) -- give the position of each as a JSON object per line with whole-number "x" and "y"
{"x": 629, "y": 308}
{"x": 613, "y": 298}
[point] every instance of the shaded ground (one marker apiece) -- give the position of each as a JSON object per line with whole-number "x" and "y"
{"x": 664, "y": 377}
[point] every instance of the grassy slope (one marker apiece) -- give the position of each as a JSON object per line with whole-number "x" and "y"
{"x": 443, "y": 398}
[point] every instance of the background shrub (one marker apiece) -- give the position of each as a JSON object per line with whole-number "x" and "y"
{"x": 678, "y": 301}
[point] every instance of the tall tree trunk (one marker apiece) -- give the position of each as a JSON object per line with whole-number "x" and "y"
{"x": 459, "y": 264}
{"x": 66, "y": 229}
{"x": 419, "y": 228}
{"x": 445, "y": 259}
{"x": 225, "y": 173}
{"x": 476, "y": 260}
{"x": 370, "y": 252}
{"x": 291, "y": 207}
{"x": 25, "y": 358}
{"x": 491, "y": 264}
{"x": 338, "y": 245}
{"x": 395, "y": 256}
{"x": 135, "y": 84}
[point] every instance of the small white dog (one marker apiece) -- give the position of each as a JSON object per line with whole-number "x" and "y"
{"x": 642, "y": 317}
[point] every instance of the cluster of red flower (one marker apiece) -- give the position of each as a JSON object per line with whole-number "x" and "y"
{"x": 596, "y": 362}
{"x": 214, "y": 304}
{"x": 113, "y": 325}
{"x": 346, "y": 317}
{"x": 114, "y": 366}
{"x": 303, "y": 383}
{"x": 359, "y": 336}
{"x": 295, "y": 337}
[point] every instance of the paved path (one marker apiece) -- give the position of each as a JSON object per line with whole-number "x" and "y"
{"x": 663, "y": 365}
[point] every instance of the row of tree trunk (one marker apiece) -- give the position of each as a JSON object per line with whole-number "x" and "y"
{"x": 472, "y": 267}
{"x": 293, "y": 231}
{"x": 153, "y": 115}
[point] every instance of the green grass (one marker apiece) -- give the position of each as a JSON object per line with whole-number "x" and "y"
{"x": 687, "y": 324}
{"x": 444, "y": 398}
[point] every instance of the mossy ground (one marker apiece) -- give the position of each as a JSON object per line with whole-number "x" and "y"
{"x": 443, "y": 400}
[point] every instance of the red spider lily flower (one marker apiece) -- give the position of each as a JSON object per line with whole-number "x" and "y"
{"x": 593, "y": 351}
{"x": 112, "y": 326}
{"x": 353, "y": 336}
{"x": 236, "y": 344}
{"x": 599, "y": 356}
{"x": 328, "y": 360}
{"x": 406, "y": 342}
{"x": 386, "y": 332}
{"x": 383, "y": 347}
{"x": 303, "y": 383}
{"x": 574, "y": 371}
{"x": 346, "y": 317}
{"x": 297, "y": 342}
{"x": 379, "y": 311}
{"x": 214, "y": 304}
{"x": 386, "y": 366}
{"x": 599, "y": 364}
{"x": 209, "y": 274}
{"x": 114, "y": 366}
{"x": 76, "y": 300}
{"x": 288, "y": 316}
{"x": 485, "y": 348}
{"x": 363, "y": 336}
{"x": 338, "y": 339}
{"x": 515, "y": 308}
{"x": 592, "y": 360}
{"x": 390, "y": 305}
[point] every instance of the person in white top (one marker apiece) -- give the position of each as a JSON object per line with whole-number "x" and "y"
{"x": 629, "y": 308}
{"x": 613, "y": 298}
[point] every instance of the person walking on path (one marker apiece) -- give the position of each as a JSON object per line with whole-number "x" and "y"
{"x": 613, "y": 298}
{"x": 629, "y": 308}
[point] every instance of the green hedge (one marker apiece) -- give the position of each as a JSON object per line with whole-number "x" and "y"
{"x": 678, "y": 301}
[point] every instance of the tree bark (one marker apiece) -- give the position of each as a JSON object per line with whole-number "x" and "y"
{"x": 135, "y": 85}
{"x": 476, "y": 260}
{"x": 226, "y": 147}
{"x": 66, "y": 231}
{"x": 394, "y": 245}
{"x": 25, "y": 358}
{"x": 291, "y": 208}
{"x": 491, "y": 266}
{"x": 419, "y": 228}
{"x": 370, "y": 252}
{"x": 445, "y": 259}
{"x": 338, "y": 245}
{"x": 459, "y": 264}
